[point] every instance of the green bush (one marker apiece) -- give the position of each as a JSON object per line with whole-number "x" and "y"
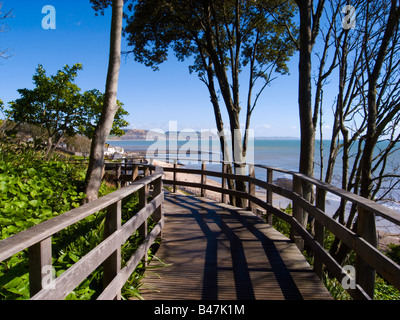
{"x": 35, "y": 192}
{"x": 280, "y": 225}
{"x": 32, "y": 191}
{"x": 393, "y": 252}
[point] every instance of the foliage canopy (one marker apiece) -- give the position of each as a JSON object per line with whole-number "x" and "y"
{"x": 57, "y": 104}
{"x": 235, "y": 30}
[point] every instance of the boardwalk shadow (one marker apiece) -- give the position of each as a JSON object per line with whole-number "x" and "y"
{"x": 216, "y": 224}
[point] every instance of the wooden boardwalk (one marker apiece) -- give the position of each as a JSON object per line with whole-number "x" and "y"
{"x": 216, "y": 251}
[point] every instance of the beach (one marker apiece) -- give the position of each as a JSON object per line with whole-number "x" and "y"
{"x": 386, "y": 231}
{"x": 278, "y": 200}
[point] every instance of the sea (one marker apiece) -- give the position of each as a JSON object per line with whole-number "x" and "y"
{"x": 279, "y": 153}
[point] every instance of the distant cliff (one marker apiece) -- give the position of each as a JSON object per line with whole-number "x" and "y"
{"x": 140, "y": 134}
{"x": 131, "y": 134}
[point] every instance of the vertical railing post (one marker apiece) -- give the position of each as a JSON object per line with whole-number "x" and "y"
{"x": 319, "y": 229}
{"x": 223, "y": 195}
{"x": 252, "y": 188}
{"x": 112, "y": 264}
{"x": 151, "y": 163}
{"x": 118, "y": 175}
{"x": 135, "y": 171}
{"x": 269, "y": 195}
{"x": 297, "y": 212}
{"x": 146, "y": 172}
{"x": 203, "y": 179}
{"x": 40, "y": 266}
{"x": 366, "y": 229}
{"x": 158, "y": 214}
{"x": 143, "y": 194}
{"x": 174, "y": 176}
{"x": 103, "y": 170}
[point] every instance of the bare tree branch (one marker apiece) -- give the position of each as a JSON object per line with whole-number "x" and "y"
{"x": 3, "y": 28}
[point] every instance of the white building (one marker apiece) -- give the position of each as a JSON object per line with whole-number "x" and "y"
{"x": 111, "y": 150}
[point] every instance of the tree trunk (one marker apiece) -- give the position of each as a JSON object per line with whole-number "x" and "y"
{"x": 305, "y": 108}
{"x": 232, "y": 105}
{"x": 220, "y": 127}
{"x": 110, "y": 107}
{"x": 372, "y": 134}
{"x": 307, "y": 129}
{"x": 366, "y": 220}
{"x": 49, "y": 146}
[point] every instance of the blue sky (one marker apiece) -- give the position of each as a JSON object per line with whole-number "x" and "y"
{"x": 152, "y": 98}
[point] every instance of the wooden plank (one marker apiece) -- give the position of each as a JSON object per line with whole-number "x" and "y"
{"x": 319, "y": 230}
{"x": 208, "y": 187}
{"x": 174, "y": 176}
{"x": 40, "y": 266}
{"x": 143, "y": 194}
{"x": 203, "y": 180}
{"x": 269, "y": 195}
{"x": 262, "y": 184}
{"x": 337, "y": 271}
{"x": 343, "y": 233}
{"x": 380, "y": 210}
{"x": 115, "y": 286}
{"x": 386, "y": 267}
{"x": 224, "y": 170}
{"x": 376, "y": 259}
{"x": 366, "y": 229}
{"x": 374, "y": 207}
{"x": 112, "y": 264}
{"x": 72, "y": 277}
{"x": 157, "y": 192}
{"x": 216, "y": 251}
{"x": 252, "y": 189}
{"x": 134, "y": 223}
{"x": 118, "y": 169}
{"x": 35, "y": 234}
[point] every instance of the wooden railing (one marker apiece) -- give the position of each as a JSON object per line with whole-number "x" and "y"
{"x": 38, "y": 239}
{"x": 122, "y": 173}
{"x": 363, "y": 286}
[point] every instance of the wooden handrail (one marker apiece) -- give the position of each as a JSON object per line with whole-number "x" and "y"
{"x": 38, "y": 240}
{"x": 380, "y": 210}
{"x": 355, "y": 241}
{"x": 387, "y": 268}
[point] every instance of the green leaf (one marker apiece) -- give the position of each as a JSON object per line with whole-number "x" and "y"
{"x": 19, "y": 286}
{"x": 3, "y": 188}
{"x": 21, "y": 204}
{"x": 34, "y": 203}
{"x": 73, "y": 256}
{"x": 34, "y": 193}
{"x": 32, "y": 172}
{"x": 5, "y": 222}
{"x": 46, "y": 212}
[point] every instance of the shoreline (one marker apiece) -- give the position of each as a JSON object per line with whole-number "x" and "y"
{"x": 386, "y": 234}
